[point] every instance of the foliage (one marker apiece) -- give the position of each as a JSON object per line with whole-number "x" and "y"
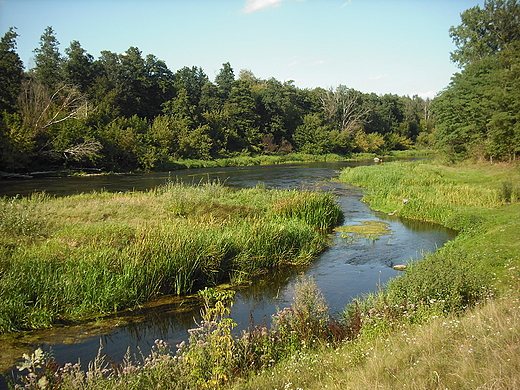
{"x": 73, "y": 100}
{"x": 11, "y": 71}
{"x": 477, "y": 114}
{"x": 486, "y": 31}
{"x": 48, "y": 59}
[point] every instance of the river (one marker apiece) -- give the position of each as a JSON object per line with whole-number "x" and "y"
{"x": 344, "y": 271}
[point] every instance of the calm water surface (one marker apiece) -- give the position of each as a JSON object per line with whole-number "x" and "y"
{"x": 344, "y": 271}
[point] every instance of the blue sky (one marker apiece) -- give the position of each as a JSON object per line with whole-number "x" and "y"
{"x": 381, "y": 46}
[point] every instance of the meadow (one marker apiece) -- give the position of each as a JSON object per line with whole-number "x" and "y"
{"x": 450, "y": 321}
{"x": 79, "y": 257}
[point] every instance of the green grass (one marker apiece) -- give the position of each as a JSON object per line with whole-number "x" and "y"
{"x": 450, "y": 321}
{"x": 243, "y": 161}
{"x": 290, "y": 158}
{"x": 70, "y": 258}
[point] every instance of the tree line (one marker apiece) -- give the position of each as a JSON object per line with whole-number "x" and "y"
{"x": 478, "y": 113}
{"x": 130, "y": 111}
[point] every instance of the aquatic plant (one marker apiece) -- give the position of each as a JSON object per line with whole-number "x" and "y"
{"x": 91, "y": 254}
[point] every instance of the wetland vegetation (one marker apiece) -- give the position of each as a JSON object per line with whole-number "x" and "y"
{"x": 65, "y": 259}
{"x": 449, "y": 321}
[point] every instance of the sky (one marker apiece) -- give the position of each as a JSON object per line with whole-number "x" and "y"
{"x": 383, "y": 46}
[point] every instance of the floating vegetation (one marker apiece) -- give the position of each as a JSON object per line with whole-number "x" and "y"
{"x": 369, "y": 230}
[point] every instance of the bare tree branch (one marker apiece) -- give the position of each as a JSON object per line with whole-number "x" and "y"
{"x": 88, "y": 149}
{"x": 41, "y": 109}
{"x": 342, "y": 106}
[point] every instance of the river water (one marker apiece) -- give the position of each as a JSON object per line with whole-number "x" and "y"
{"x": 344, "y": 271}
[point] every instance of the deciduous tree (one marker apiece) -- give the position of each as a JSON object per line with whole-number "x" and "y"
{"x": 485, "y": 31}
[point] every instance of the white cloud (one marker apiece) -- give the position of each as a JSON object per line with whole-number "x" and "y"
{"x": 294, "y": 63}
{"x": 256, "y": 5}
{"x": 426, "y": 95}
{"x": 320, "y": 62}
{"x": 378, "y": 77}
{"x": 345, "y": 4}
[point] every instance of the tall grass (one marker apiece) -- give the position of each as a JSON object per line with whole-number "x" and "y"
{"x": 450, "y": 321}
{"x": 420, "y": 191}
{"x": 243, "y": 161}
{"x": 476, "y": 351}
{"x": 91, "y": 254}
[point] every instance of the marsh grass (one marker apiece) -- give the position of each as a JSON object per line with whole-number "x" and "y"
{"x": 452, "y": 320}
{"x": 86, "y": 255}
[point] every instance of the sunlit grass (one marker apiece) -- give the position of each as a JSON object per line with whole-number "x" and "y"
{"x": 91, "y": 254}
{"x": 451, "y": 321}
{"x": 478, "y": 350}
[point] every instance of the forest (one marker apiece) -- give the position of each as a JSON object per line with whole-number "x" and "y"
{"x": 129, "y": 111}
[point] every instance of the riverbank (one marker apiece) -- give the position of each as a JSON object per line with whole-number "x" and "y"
{"x": 238, "y": 161}
{"x": 83, "y": 256}
{"x": 452, "y": 319}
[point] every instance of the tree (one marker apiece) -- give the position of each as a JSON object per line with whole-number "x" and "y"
{"x": 224, "y": 80}
{"x": 343, "y": 108}
{"x": 462, "y": 112}
{"x": 485, "y": 31}
{"x": 192, "y": 80}
{"x": 124, "y": 143}
{"x": 210, "y": 98}
{"x": 43, "y": 115}
{"x": 161, "y": 84}
{"x": 477, "y": 114}
{"x": 11, "y": 72}
{"x": 133, "y": 84}
{"x": 41, "y": 110}
{"x": 242, "y": 119}
{"x": 312, "y": 136}
{"x": 48, "y": 60}
{"x": 78, "y": 67}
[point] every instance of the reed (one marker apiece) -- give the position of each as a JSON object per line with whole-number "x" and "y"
{"x": 91, "y": 254}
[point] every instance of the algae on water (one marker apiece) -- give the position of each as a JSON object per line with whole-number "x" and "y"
{"x": 370, "y": 230}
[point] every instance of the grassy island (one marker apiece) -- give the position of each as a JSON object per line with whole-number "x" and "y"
{"x": 64, "y": 259}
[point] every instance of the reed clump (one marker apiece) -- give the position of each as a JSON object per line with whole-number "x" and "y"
{"x": 91, "y": 254}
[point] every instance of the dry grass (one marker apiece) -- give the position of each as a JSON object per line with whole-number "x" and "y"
{"x": 479, "y": 350}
